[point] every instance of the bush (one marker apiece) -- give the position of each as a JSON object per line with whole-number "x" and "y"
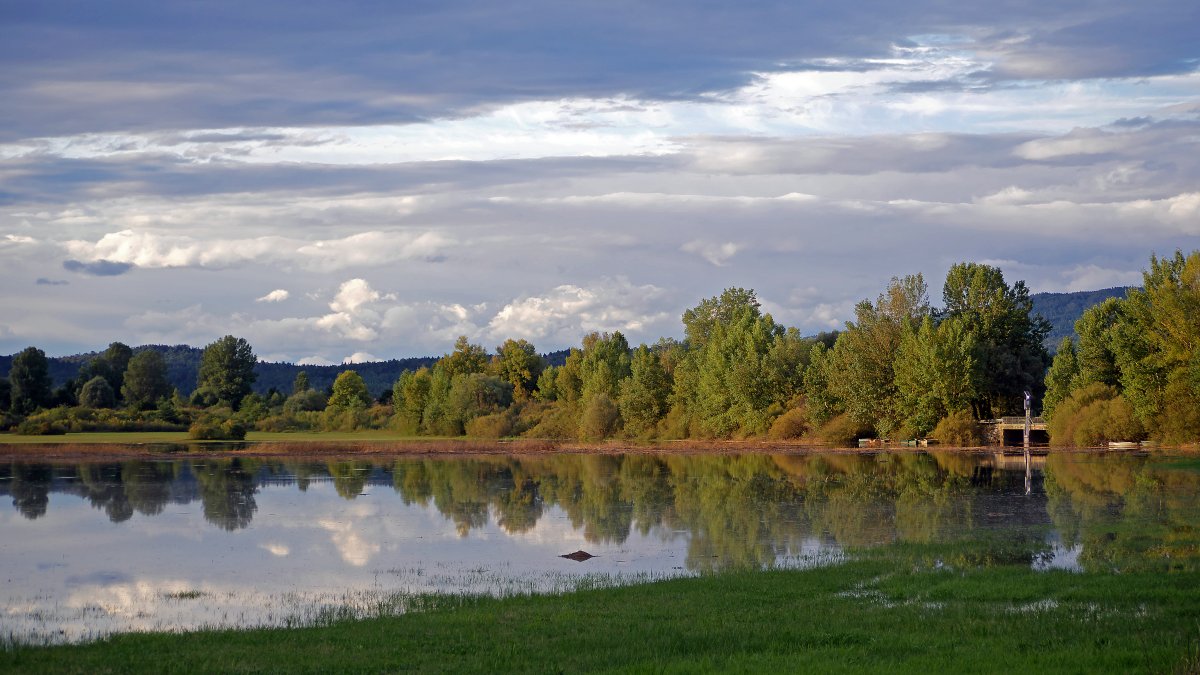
{"x": 842, "y": 432}
{"x": 1092, "y": 416}
{"x": 496, "y": 425}
{"x": 790, "y": 425}
{"x": 41, "y": 427}
{"x": 959, "y": 429}
{"x": 215, "y": 430}
{"x": 560, "y": 421}
{"x": 600, "y": 418}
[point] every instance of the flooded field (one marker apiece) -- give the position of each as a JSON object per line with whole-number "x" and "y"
{"x": 92, "y": 548}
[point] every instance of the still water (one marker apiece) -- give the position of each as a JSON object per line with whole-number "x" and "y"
{"x": 94, "y": 548}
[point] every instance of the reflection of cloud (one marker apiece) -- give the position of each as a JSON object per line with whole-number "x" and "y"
{"x": 276, "y": 549}
{"x": 354, "y": 549}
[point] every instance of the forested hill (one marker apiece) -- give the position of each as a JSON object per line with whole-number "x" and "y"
{"x": 1063, "y": 309}
{"x": 183, "y": 366}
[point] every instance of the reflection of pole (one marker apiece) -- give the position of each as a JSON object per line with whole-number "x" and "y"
{"x": 1028, "y": 421}
{"x": 1028, "y": 471}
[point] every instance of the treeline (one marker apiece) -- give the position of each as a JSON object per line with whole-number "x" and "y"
{"x": 1134, "y": 372}
{"x": 901, "y": 369}
{"x": 183, "y": 370}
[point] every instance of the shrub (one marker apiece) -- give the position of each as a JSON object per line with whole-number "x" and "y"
{"x": 41, "y": 427}
{"x": 214, "y": 430}
{"x": 559, "y": 421}
{"x": 958, "y": 429}
{"x": 791, "y": 424}
{"x": 496, "y": 425}
{"x": 600, "y": 418}
{"x": 842, "y": 432}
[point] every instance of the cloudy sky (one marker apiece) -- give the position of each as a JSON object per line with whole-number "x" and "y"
{"x": 361, "y": 180}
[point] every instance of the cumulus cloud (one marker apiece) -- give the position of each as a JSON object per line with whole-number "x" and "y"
{"x": 716, "y": 253}
{"x": 360, "y": 357}
{"x": 277, "y": 295}
{"x": 568, "y": 311}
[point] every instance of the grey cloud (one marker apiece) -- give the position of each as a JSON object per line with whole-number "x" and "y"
{"x": 270, "y": 63}
{"x": 43, "y": 281}
{"x": 98, "y": 268}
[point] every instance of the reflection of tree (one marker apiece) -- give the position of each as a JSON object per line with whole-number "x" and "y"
{"x": 104, "y": 489}
{"x": 30, "y": 489}
{"x": 227, "y": 489}
{"x": 349, "y": 478}
{"x": 1127, "y": 512}
{"x": 147, "y": 485}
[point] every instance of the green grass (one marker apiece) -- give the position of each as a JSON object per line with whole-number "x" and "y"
{"x": 867, "y": 616}
{"x": 128, "y": 437}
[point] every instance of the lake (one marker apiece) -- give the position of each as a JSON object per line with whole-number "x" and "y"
{"x": 87, "y": 549}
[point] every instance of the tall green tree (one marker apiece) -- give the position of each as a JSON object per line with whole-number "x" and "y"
{"x": 29, "y": 381}
{"x": 1157, "y": 347}
{"x": 604, "y": 363}
{"x": 349, "y": 392}
{"x": 1008, "y": 337}
{"x": 96, "y": 393}
{"x": 465, "y": 359}
{"x": 145, "y": 380}
{"x": 300, "y": 384}
{"x": 410, "y": 396}
{"x": 644, "y": 393}
{"x": 519, "y": 363}
{"x": 1095, "y": 359}
{"x": 227, "y": 370}
{"x": 936, "y": 374}
{"x": 860, "y": 370}
{"x": 1062, "y": 377}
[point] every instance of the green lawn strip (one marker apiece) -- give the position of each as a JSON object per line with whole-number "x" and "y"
{"x": 132, "y": 437}
{"x": 871, "y": 616}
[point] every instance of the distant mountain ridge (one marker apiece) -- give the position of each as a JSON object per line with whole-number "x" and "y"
{"x": 1062, "y": 310}
{"x": 183, "y": 361}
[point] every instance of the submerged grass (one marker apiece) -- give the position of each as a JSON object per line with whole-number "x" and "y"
{"x": 877, "y": 614}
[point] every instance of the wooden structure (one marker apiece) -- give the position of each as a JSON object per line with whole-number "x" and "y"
{"x": 1010, "y": 431}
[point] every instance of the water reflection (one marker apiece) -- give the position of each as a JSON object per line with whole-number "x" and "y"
{"x": 223, "y": 530}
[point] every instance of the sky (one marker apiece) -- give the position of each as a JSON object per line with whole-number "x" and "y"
{"x": 351, "y": 181}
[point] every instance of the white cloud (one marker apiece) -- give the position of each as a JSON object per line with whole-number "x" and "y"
{"x": 716, "y": 253}
{"x": 360, "y": 357}
{"x": 277, "y": 295}
{"x": 151, "y": 249}
{"x": 1091, "y": 277}
{"x": 567, "y": 312}
{"x": 352, "y": 295}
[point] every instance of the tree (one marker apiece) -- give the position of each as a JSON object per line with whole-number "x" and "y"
{"x": 644, "y": 393}
{"x": 860, "y": 369}
{"x": 519, "y": 363}
{"x": 465, "y": 359}
{"x": 604, "y": 363}
{"x": 1009, "y": 349}
{"x": 145, "y": 380}
{"x": 1156, "y": 346}
{"x": 1062, "y": 377}
{"x": 227, "y": 370}
{"x": 410, "y": 395}
{"x": 935, "y": 374}
{"x": 1095, "y": 359}
{"x": 300, "y": 384}
{"x": 96, "y": 393}
{"x": 29, "y": 381}
{"x": 349, "y": 392}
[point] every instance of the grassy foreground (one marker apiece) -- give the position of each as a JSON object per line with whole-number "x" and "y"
{"x": 867, "y": 616}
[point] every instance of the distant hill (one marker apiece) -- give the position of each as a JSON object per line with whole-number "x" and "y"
{"x": 1062, "y": 310}
{"x": 183, "y": 368}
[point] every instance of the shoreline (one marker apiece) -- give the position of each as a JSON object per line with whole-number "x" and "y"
{"x": 317, "y": 446}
